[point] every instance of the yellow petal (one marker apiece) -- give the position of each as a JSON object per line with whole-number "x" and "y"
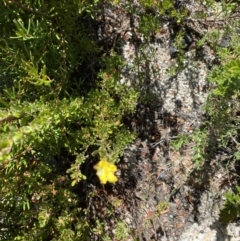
{"x": 103, "y": 179}
{"x": 105, "y": 172}
{"x": 101, "y": 163}
{"x": 112, "y": 178}
{"x": 112, "y": 167}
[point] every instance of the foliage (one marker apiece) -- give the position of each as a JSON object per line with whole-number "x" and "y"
{"x": 59, "y": 117}
{"x": 198, "y": 137}
{"x": 226, "y": 119}
{"x": 51, "y": 131}
{"x": 162, "y": 206}
{"x": 219, "y": 134}
{"x": 122, "y": 232}
{"x": 231, "y": 209}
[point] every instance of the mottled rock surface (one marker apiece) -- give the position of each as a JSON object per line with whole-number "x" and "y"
{"x": 168, "y": 203}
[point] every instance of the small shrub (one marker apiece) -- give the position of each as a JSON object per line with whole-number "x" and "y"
{"x": 50, "y": 130}
{"x": 231, "y": 208}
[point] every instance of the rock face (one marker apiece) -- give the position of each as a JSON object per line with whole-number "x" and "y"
{"x": 208, "y": 227}
{"x": 199, "y": 232}
{"x": 169, "y": 202}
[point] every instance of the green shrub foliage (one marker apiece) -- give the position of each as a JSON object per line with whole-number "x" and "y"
{"x": 51, "y": 123}
{"x": 231, "y": 209}
{"x": 62, "y": 106}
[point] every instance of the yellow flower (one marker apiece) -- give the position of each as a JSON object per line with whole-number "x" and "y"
{"x": 106, "y": 172}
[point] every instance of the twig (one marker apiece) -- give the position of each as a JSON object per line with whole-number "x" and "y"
{"x": 25, "y": 7}
{"x": 162, "y": 140}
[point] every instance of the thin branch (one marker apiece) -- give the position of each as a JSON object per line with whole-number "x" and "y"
{"x": 25, "y": 7}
